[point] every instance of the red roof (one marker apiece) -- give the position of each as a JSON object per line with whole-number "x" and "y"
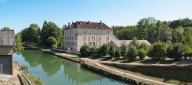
{"x": 88, "y": 25}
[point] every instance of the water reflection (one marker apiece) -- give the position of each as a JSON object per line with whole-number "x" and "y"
{"x": 53, "y": 70}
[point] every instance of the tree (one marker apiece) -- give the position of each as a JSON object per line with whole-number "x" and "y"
{"x": 158, "y": 51}
{"x": 123, "y": 49}
{"x": 177, "y": 34}
{"x": 187, "y": 36}
{"x": 18, "y": 46}
{"x": 6, "y": 28}
{"x": 52, "y": 42}
{"x": 141, "y": 54}
{"x": 134, "y": 42}
{"x": 175, "y": 23}
{"x": 117, "y": 52}
{"x": 143, "y": 25}
{"x": 112, "y": 51}
{"x": 175, "y": 51}
{"x": 50, "y": 29}
{"x": 132, "y": 52}
{"x": 164, "y": 33}
{"x": 31, "y": 35}
{"x": 85, "y": 51}
{"x": 143, "y": 46}
{"x": 103, "y": 51}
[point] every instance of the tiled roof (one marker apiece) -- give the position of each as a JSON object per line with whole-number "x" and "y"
{"x": 7, "y": 38}
{"x": 118, "y": 43}
{"x": 88, "y": 25}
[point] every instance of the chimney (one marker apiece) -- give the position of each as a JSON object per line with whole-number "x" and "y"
{"x": 76, "y": 24}
{"x": 88, "y": 22}
{"x": 68, "y": 24}
{"x": 100, "y": 23}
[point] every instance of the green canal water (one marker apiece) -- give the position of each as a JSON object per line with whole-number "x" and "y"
{"x": 53, "y": 70}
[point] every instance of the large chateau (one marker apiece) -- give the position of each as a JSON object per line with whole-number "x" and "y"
{"x": 90, "y": 33}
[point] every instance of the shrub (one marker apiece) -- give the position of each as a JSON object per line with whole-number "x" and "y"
{"x": 143, "y": 46}
{"x": 158, "y": 51}
{"x": 85, "y": 51}
{"x": 141, "y": 54}
{"x": 117, "y": 53}
{"x": 123, "y": 49}
{"x": 134, "y": 42}
{"x": 175, "y": 51}
{"x": 112, "y": 51}
{"x": 132, "y": 52}
{"x": 93, "y": 51}
{"x": 103, "y": 51}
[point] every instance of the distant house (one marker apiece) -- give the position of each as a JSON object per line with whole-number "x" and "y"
{"x": 119, "y": 43}
{"x": 6, "y": 51}
{"x": 86, "y": 33}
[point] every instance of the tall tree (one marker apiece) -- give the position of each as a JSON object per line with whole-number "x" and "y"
{"x": 31, "y": 34}
{"x": 18, "y": 47}
{"x": 165, "y": 33}
{"x": 50, "y": 29}
{"x": 143, "y": 25}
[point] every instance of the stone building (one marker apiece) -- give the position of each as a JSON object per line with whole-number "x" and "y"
{"x": 90, "y": 33}
{"x": 6, "y": 51}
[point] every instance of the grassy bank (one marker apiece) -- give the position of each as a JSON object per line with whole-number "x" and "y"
{"x": 34, "y": 80}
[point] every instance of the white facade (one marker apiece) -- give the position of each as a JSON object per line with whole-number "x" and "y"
{"x": 77, "y": 37}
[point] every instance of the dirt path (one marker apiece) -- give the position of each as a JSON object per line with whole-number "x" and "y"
{"x": 125, "y": 74}
{"x": 10, "y": 79}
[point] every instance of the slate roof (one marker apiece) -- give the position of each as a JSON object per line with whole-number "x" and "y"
{"x": 88, "y": 25}
{"x": 118, "y": 43}
{"x": 7, "y": 38}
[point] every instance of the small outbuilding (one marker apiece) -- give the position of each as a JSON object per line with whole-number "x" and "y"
{"x": 6, "y": 51}
{"x": 119, "y": 43}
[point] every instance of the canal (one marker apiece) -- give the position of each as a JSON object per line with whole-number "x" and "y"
{"x": 53, "y": 70}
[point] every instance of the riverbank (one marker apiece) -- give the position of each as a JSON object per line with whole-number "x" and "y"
{"x": 115, "y": 73}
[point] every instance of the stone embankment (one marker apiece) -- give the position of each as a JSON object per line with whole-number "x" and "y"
{"x": 107, "y": 70}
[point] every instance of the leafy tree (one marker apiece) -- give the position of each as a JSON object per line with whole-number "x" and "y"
{"x": 164, "y": 33}
{"x": 175, "y": 23}
{"x": 186, "y": 22}
{"x": 117, "y": 52}
{"x": 112, "y": 51}
{"x": 143, "y": 25}
{"x": 132, "y": 52}
{"x": 177, "y": 34}
{"x": 123, "y": 49}
{"x": 50, "y": 29}
{"x": 18, "y": 46}
{"x": 6, "y": 28}
{"x": 175, "y": 51}
{"x": 31, "y": 34}
{"x": 52, "y": 42}
{"x": 93, "y": 51}
{"x": 158, "y": 51}
{"x": 143, "y": 46}
{"x": 124, "y": 33}
{"x": 141, "y": 54}
{"x": 134, "y": 42}
{"x": 188, "y": 36}
{"x": 103, "y": 51}
{"x": 85, "y": 51}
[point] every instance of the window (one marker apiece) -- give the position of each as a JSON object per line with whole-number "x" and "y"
{"x": 84, "y": 38}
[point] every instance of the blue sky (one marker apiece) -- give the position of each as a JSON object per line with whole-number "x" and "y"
{"x": 19, "y": 14}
